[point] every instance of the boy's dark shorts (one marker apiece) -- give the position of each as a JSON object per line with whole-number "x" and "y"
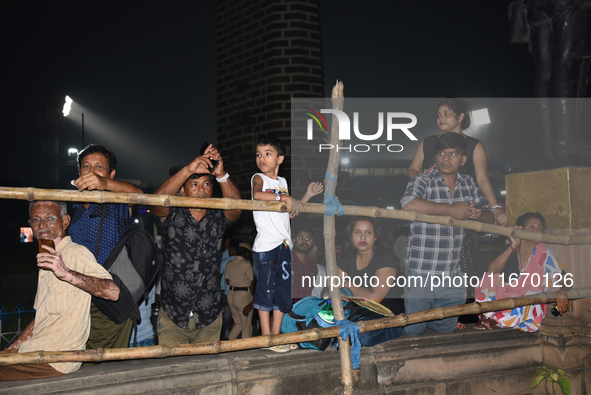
{"x": 273, "y": 290}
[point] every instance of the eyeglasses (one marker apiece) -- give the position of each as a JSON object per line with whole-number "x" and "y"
{"x": 302, "y": 238}
{"x": 49, "y": 220}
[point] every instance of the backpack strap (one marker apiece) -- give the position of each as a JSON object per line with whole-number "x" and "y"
{"x": 100, "y": 232}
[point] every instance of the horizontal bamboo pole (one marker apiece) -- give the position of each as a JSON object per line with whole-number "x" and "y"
{"x": 257, "y": 205}
{"x": 217, "y": 347}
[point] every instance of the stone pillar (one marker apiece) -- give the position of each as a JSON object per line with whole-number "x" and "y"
{"x": 268, "y": 52}
{"x": 562, "y": 197}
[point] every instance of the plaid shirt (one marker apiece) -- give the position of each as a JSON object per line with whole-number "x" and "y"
{"x": 432, "y": 248}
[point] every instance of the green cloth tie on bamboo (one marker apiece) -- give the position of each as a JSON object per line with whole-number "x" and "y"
{"x": 349, "y": 328}
{"x": 333, "y": 206}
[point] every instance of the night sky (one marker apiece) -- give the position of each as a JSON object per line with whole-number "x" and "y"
{"x": 144, "y": 73}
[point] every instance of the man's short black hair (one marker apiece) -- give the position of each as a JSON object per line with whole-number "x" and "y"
{"x": 198, "y": 176}
{"x": 452, "y": 140}
{"x": 93, "y": 149}
{"x": 273, "y": 142}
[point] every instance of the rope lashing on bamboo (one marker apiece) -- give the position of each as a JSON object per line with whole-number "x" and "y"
{"x": 349, "y": 328}
{"x": 333, "y": 205}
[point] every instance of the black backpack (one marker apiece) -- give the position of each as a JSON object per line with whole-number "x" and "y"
{"x": 134, "y": 264}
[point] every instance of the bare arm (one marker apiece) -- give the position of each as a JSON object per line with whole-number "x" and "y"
{"x": 199, "y": 166}
{"x": 481, "y": 169}
{"x": 229, "y": 189}
{"x": 23, "y": 337}
{"x": 90, "y": 181}
{"x": 98, "y": 287}
{"x": 314, "y": 189}
{"x": 416, "y": 166}
{"x": 378, "y": 293}
{"x": 498, "y": 264}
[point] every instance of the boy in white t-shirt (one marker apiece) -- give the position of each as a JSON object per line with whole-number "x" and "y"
{"x": 272, "y": 246}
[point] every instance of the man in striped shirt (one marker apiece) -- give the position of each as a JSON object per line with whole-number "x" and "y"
{"x": 434, "y": 276}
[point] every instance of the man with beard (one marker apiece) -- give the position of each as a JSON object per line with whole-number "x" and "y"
{"x": 68, "y": 276}
{"x": 305, "y": 270}
{"x": 192, "y": 243}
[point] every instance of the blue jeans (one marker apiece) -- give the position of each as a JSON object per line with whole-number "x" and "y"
{"x": 273, "y": 289}
{"x": 422, "y": 298}
{"x": 372, "y": 338}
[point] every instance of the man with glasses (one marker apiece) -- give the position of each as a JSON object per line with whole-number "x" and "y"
{"x": 304, "y": 267}
{"x": 68, "y": 276}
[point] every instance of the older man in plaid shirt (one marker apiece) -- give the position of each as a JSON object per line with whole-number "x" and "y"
{"x": 433, "y": 251}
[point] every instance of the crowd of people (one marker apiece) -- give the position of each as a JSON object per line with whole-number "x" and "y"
{"x": 212, "y": 283}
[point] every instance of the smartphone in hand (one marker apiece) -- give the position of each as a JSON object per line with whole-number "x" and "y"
{"x": 213, "y": 162}
{"x": 48, "y": 243}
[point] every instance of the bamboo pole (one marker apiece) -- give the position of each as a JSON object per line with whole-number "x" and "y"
{"x": 31, "y": 194}
{"x": 332, "y": 169}
{"x": 217, "y": 347}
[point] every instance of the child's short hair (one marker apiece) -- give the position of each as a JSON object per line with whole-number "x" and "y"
{"x": 273, "y": 142}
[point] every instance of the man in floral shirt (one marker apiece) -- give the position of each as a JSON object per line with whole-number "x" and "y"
{"x": 192, "y": 241}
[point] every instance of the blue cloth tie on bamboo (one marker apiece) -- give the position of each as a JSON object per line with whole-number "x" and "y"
{"x": 351, "y": 328}
{"x": 333, "y": 206}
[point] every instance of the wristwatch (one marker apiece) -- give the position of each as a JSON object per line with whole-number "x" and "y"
{"x": 224, "y": 178}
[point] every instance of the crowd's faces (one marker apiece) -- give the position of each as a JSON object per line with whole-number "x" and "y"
{"x": 46, "y": 211}
{"x": 267, "y": 158}
{"x": 450, "y": 160}
{"x": 534, "y": 225}
{"x": 447, "y": 120}
{"x": 303, "y": 242}
{"x": 98, "y": 164}
{"x": 201, "y": 187}
{"x": 363, "y": 236}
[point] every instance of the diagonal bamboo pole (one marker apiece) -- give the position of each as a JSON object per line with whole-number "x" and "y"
{"x": 217, "y": 347}
{"x": 332, "y": 170}
{"x": 31, "y": 194}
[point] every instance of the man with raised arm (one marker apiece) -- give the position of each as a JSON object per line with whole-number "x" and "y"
{"x": 191, "y": 243}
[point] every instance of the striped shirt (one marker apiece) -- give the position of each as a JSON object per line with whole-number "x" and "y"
{"x": 432, "y": 248}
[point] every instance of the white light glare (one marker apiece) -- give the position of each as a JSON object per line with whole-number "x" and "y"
{"x": 345, "y": 161}
{"x": 72, "y": 151}
{"x": 481, "y": 117}
{"x": 390, "y": 208}
{"x": 67, "y": 106}
{"x": 503, "y": 192}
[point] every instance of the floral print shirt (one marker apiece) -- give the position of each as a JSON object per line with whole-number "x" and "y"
{"x": 192, "y": 251}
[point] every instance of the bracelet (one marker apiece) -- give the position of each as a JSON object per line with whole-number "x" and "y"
{"x": 498, "y": 207}
{"x": 513, "y": 249}
{"x": 224, "y": 178}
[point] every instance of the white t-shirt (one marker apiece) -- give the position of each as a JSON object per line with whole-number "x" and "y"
{"x": 272, "y": 227}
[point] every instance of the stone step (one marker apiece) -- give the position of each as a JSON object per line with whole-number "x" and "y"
{"x": 464, "y": 362}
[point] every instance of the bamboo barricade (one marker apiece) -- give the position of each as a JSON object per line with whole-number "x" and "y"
{"x": 217, "y": 347}
{"x": 31, "y": 194}
{"x": 332, "y": 170}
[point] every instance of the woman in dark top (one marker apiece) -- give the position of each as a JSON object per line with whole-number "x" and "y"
{"x": 370, "y": 265}
{"x": 453, "y": 116}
